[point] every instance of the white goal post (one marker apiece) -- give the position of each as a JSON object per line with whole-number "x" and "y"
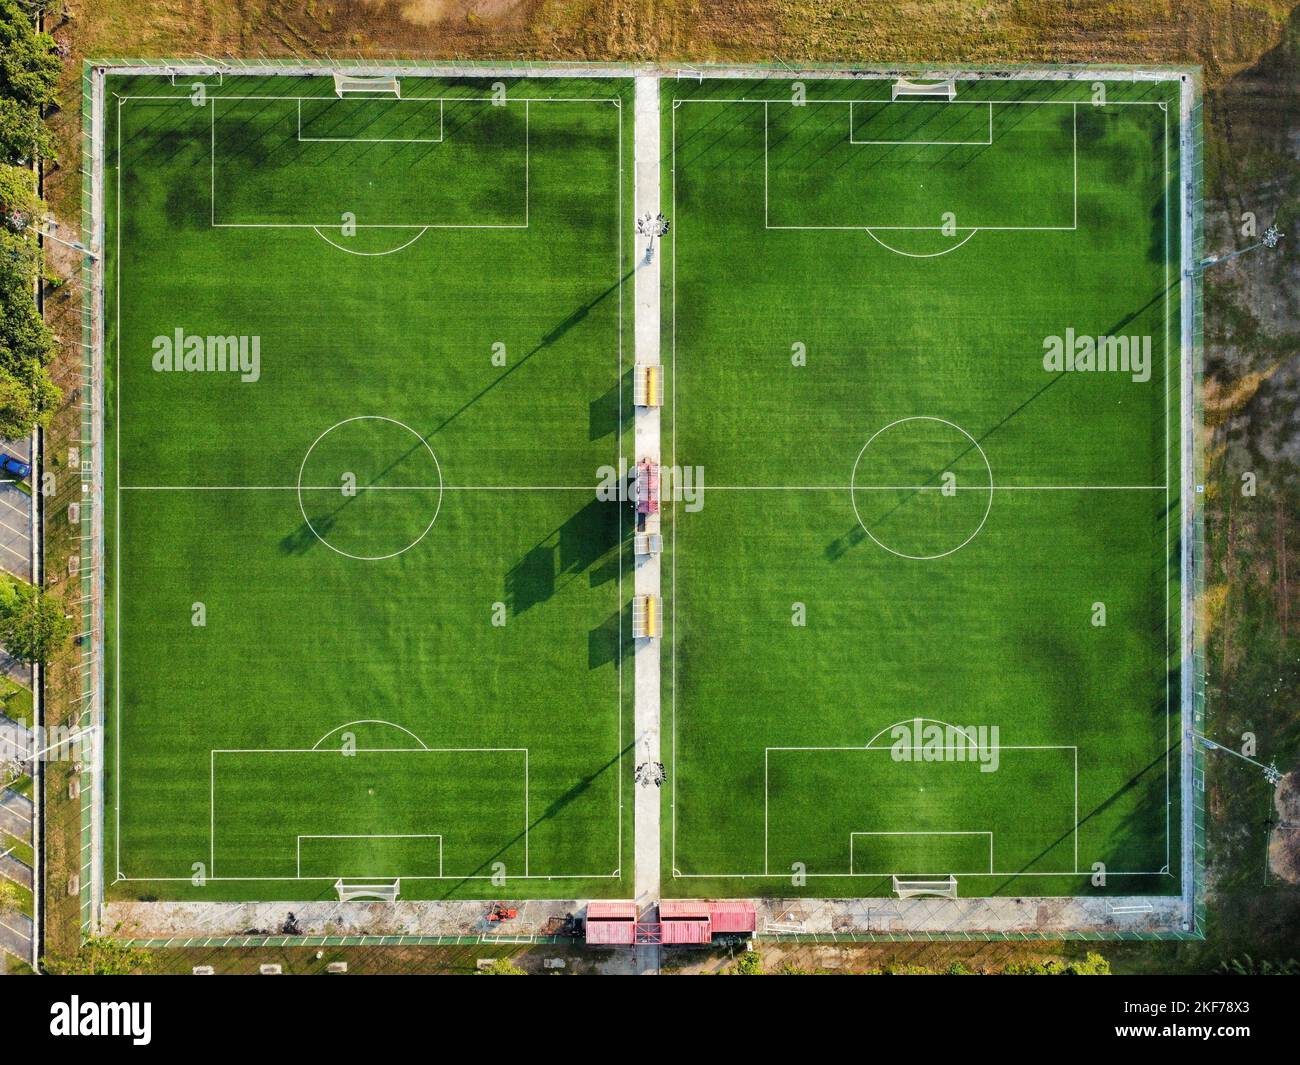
{"x": 910, "y": 888}
{"x": 351, "y": 890}
{"x": 907, "y": 87}
{"x": 345, "y": 84}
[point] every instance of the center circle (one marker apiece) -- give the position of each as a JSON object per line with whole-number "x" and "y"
{"x": 921, "y": 487}
{"x": 370, "y": 488}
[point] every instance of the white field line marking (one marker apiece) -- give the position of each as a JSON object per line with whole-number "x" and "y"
{"x": 923, "y": 255}
{"x": 25, "y": 534}
{"x": 1169, "y": 809}
{"x": 842, "y": 876}
{"x": 940, "y": 832}
{"x": 619, "y": 252}
{"x": 17, "y": 554}
{"x": 377, "y": 140}
{"x": 368, "y": 721}
{"x": 767, "y": 753}
{"x": 311, "y": 879}
{"x": 932, "y": 488}
{"x": 212, "y": 787}
{"x": 368, "y": 835}
{"x": 117, "y": 511}
{"x": 620, "y": 753}
{"x": 886, "y": 100}
{"x": 971, "y": 230}
{"x": 919, "y": 144}
{"x": 361, "y": 488}
{"x": 318, "y": 226}
{"x": 370, "y": 254}
{"x": 405, "y": 99}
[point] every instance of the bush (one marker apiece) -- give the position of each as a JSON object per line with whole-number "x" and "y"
{"x": 1092, "y": 965}
{"x": 10, "y": 898}
{"x": 101, "y": 956}
{"x": 748, "y": 964}
{"x": 32, "y": 622}
{"x": 502, "y": 967}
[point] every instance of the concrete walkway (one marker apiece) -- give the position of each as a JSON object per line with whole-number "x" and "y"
{"x": 648, "y": 797}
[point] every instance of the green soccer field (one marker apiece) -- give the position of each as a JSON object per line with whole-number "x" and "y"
{"x": 364, "y": 360}
{"x": 926, "y": 621}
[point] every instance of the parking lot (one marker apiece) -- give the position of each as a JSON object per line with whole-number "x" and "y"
{"x": 15, "y": 516}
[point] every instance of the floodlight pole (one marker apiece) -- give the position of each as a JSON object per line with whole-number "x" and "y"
{"x": 651, "y": 226}
{"x": 1271, "y": 772}
{"x": 1272, "y": 236}
{"x": 52, "y": 224}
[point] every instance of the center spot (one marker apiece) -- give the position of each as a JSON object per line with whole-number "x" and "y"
{"x": 922, "y": 487}
{"x": 370, "y": 488}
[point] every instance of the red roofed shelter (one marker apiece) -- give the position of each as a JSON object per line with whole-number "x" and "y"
{"x": 611, "y": 923}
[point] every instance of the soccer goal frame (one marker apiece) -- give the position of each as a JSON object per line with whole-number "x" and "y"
{"x": 366, "y": 84}
{"x": 945, "y": 87}
{"x": 917, "y": 887}
{"x": 381, "y": 891}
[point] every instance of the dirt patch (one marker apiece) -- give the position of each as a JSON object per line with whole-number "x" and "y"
{"x": 1284, "y": 844}
{"x": 432, "y": 12}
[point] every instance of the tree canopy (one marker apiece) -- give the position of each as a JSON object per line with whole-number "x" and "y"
{"x": 29, "y": 71}
{"x": 32, "y": 623}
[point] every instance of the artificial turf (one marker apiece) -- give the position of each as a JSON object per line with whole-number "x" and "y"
{"x": 829, "y": 382}
{"x": 907, "y": 517}
{"x": 459, "y": 619}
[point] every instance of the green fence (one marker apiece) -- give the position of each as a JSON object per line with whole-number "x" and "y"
{"x": 92, "y": 463}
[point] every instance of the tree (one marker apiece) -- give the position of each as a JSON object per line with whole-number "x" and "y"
{"x": 29, "y": 75}
{"x": 22, "y": 134}
{"x": 32, "y": 622}
{"x": 748, "y": 964}
{"x": 26, "y": 343}
{"x": 16, "y": 411}
{"x": 20, "y": 206}
{"x": 1092, "y": 964}
{"x": 29, "y": 63}
{"x": 101, "y": 956}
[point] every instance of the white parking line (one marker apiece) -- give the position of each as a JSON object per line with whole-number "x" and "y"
{"x": 16, "y": 554}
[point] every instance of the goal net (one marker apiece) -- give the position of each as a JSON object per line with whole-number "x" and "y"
{"x": 381, "y": 891}
{"x": 947, "y": 88}
{"x": 346, "y": 84}
{"x": 910, "y": 888}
